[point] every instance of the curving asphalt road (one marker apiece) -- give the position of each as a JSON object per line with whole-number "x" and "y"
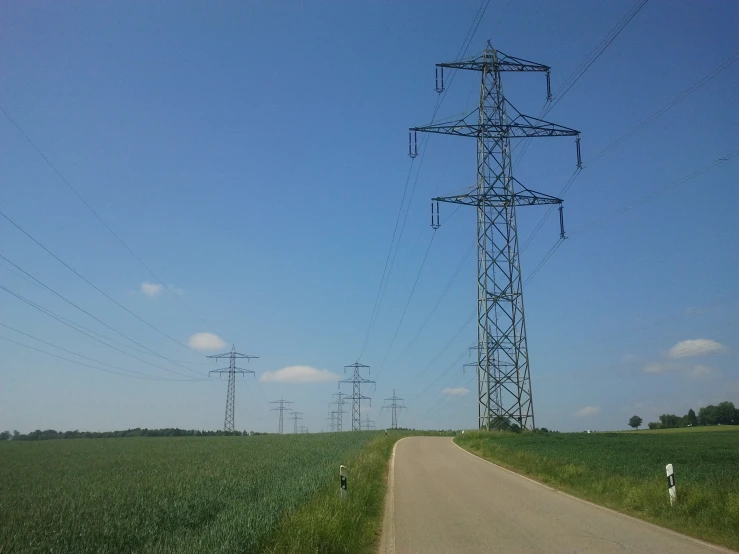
{"x": 442, "y": 499}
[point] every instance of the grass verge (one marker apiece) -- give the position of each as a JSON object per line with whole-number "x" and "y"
{"x": 329, "y": 525}
{"x": 626, "y": 472}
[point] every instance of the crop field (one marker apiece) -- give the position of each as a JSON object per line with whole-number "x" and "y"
{"x": 626, "y": 472}
{"x": 189, "y": 494}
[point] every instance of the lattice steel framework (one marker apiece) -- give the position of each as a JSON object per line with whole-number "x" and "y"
{"x": 357, "y": 381}
{"x": 282, "y": 409}
{"x": 339, "y": 402}
{"x": 296, "y": 417}
{"x": 504, "y": 379}
{"x": 394, "y": 406}
{"x": 231, "y": 371}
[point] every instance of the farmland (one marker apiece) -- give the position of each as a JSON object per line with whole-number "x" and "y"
{"x": 626, "y": 472}
{"x": 188, "y": 494}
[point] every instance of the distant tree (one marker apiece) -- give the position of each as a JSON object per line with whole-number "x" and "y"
{"x": 708, "y": 415}
{"x": 654, "y": 425}
{"x": 669, "y": 420}
{"x": 16, "y": 434}
{"x": 635, "y": 422}
{"x": 725, "y": 413}
{"x": 692, "y": 418}
{"x": 5, "y": 435}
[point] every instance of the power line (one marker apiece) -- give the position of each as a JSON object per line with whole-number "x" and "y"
{"x": 595, "y": 54}
{"x": 440, "y": 298}
{"x": 405, "y": 309}
{"x": 661, "y": 190}
{"x": 424, "y": 142}
{"x": 583, "y": 67}
{"x": 679, "y": 98}
{"x": 83, "y": 330}
{"x": 99, "y": 218}
{"x": 89, "y": 365}
{"x": 106, "y": 295}
{"x": 94, "y": 317}
{"x": 132, "y": 371}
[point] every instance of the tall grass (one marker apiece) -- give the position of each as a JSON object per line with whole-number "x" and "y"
{"x": 156, "y": 495}
{"x": 626, "y": 472}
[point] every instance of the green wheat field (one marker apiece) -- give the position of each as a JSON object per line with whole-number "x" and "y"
{"x": 626, "y": 471}
{"x": 153, "y": 495}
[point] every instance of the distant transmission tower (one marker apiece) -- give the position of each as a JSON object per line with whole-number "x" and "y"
{"x": 331, "y": 421}
{"x": 357, "y": 381}
{"x": 282, "y": 409}
{"x": 394, "y": 407}
{"x": 504, "y": 381}
{"x": 295, "y": 417}
{"x": 231, "y": 370}
{"x": 340, "y": 401}
{"x": 303, "y": 429}
{"x": 368, "y": 424}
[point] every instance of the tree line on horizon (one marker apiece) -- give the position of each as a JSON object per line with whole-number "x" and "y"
{"x": 723, "y": 414}
{"x": 51, "y": 434}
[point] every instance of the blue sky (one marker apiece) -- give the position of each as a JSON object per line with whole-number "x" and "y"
{"x": 254, "y": 156}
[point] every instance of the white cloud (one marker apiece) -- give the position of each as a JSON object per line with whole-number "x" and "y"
{"x": 656, "y": 367}
{"x": 206, "y": 341}
{"x": 695, "y": 347}
{"x": 703, "y": 371}
{"x": 299, "y": 374}
{"x": 459, "y": 391}
{"x": 587, "y": 411}
{"x": 151, "y": 289}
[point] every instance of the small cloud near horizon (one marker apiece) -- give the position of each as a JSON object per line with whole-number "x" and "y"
{"x": 587, "y": 411}
{"x": 703, "y": 371}
{"x": 656, "y": 367}
{"x": 151, "y": 289}
{"x": 458, "y": 391}
{"x": 206, "y": 341}
{"x": 695, "y": 347}
{"x": 299, "y": 374}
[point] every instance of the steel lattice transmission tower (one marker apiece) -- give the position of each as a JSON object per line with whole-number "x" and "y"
{"x": 295, "y": 417}
{"x": 368, "y": 424}
{"x": 282, "y": 409}
{"x": 504, "y": 379}
{"x": 231, "y": 370}
{"x": 394, "y": 407}
{"x": 357, "y": 381}
{"x": 340, "y": 401}
{"x": 331, "y": 421}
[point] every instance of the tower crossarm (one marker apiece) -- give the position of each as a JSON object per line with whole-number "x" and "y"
{"x": 501, "y": 62}
{"x": 522, "y": 126}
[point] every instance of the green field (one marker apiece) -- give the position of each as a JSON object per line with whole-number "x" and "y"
{"x": 626, "y": 472}
{"x": 190, "y": 494}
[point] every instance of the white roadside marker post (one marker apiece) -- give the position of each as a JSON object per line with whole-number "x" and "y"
{"x": 671, "y": 484}
{"x": 342, "y": 474}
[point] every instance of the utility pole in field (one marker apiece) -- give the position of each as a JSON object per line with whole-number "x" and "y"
{"x": 357, "y": 381}
{"x": 231, "y": 371}
{"x": 504, "y": 379}
{"x": 339, "y": 402}
{"x": 282, "y": 409}
{"x": 394, "y": 407}
{"x": 295, "y": 417}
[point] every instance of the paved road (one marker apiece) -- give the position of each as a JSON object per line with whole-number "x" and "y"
{"x": 445, "y": 500}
